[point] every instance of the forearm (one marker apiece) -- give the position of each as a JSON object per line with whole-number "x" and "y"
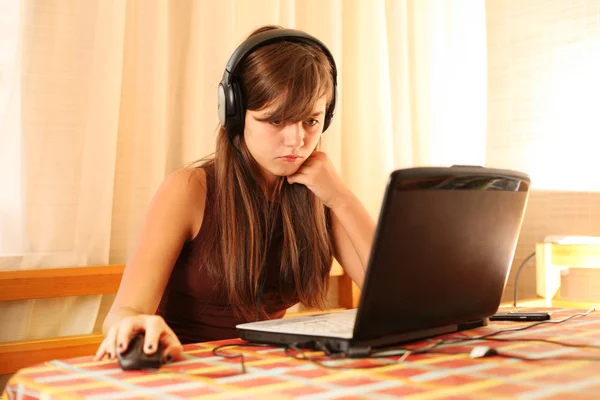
{"x": 358, "y": 225}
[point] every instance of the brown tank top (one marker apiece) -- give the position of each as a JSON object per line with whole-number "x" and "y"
{"x": 195, "y": 305}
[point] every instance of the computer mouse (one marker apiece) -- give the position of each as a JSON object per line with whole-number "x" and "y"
{"x": 134, "y": 358}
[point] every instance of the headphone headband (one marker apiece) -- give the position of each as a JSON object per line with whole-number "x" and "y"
{"x": 275, "y": 36}
{"x": 231, "y": 102}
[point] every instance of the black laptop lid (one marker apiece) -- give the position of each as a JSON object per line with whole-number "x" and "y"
{"x": 444, "y": 244}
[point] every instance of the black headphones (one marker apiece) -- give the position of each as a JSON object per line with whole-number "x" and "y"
{"x": 231, "y": 101}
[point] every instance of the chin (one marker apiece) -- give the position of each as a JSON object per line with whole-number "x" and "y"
{"x": 283, "y": 172}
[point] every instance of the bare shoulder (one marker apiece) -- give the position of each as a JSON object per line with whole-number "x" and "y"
{"x": 185, "y": 191}
{"x": 173, "y": 217}
{"x": 187, "y": 181}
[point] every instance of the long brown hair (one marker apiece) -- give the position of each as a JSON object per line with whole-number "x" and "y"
{"x": 294, "y": 76}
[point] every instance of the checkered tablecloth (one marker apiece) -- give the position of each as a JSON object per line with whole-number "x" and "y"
{"x": 564, "y": 372}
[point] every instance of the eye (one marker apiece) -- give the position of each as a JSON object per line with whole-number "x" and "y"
{"x": 276, "y": 123}
{"x": 312, "y": 122}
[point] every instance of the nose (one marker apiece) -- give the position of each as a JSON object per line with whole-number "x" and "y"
{"x": 293, "y": 135}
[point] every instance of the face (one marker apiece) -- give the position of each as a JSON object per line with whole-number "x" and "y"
{"x": 280, "y": 147}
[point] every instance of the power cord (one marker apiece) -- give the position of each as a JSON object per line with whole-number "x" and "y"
{"x": 296, "y": 351}
{"x": 216, "y": 352}
{"x": 576, "y": 345}
{"x": 484, "y": 351}
{"x": 520, "y": 357}
{"x": 517, "y": 276}
{"x": 522, "y": 328}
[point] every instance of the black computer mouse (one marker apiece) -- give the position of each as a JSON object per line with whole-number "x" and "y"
{"x": 134, "y": 358}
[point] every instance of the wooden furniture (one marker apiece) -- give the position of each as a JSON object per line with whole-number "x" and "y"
{"x": 448, "y": 372}
{"x": 554, "y": 258}
{"x": 348, "y": 292}
{"x": 538, "y": 302}
{"x": 59, "y": 282}
{"x": 51, "y": 283}
{"x": 79, "y": 281}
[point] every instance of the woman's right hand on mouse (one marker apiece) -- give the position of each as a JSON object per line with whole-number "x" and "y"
{"x": 155, "y": 329}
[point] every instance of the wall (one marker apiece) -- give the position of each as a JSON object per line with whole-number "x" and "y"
{"x": 543, "y": 96}
{"x": 551, "y": 213}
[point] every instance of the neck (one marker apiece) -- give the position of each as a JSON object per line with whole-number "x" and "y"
{"x": 269, "y": 182}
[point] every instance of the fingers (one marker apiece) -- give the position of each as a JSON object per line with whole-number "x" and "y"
{"x": 300, "y": 176}
{"x": 127, "y": 330}
{"x": 155, "y": 326}
{"x": 172, "y": 345}
{"x": 100, "y": 352}
{"x": 107, "y": 345}
{"x": 155, "y": 329}
{"x": 110, "y": 342}
{"x": 301, "y": 172}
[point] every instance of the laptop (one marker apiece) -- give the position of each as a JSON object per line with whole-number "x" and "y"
{"x": 439, "y": 262}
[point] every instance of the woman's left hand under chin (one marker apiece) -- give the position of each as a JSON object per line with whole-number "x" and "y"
{"x": 318, "y": 174}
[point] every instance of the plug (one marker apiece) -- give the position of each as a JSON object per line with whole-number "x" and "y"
{"x": 483, "y": 351}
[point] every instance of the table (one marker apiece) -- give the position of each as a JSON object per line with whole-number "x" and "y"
{"x": 271, "y": 374}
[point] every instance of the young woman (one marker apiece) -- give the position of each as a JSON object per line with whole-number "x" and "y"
{"x": 253, "y": 230}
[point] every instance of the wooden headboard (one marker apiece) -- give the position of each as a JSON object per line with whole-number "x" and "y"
{"x": 82, "y": 281}
{"x": 52, "y": 283}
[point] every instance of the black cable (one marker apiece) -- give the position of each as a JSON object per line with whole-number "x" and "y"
{"x": 579, "y": 358}
{"x": 301, "y": 355}
{"x": 522, "y": 328}
{"x": 402, "y": 352}
{"x": 489, "y": 336}
{"x": 216, "y": 352}
{"x": 426, "y": 349}
{"x": 405, "y": 353}
{"x": 508, "y": 355}
{"x": 517, "y": 276}
{"x": 576, "y": 345}
{"x": 454, "y": 340}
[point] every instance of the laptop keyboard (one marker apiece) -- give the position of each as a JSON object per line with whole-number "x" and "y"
{"x": 338, "y": 324}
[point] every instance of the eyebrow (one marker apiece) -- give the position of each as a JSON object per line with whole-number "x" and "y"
{"x": 268, "y": 116}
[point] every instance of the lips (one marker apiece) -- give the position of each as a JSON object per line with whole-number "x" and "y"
{"x": 290, "y": 158}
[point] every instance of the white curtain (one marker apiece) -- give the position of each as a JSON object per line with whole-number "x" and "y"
{"x": 10, "y": 137}
{"x": 106, "y": 97}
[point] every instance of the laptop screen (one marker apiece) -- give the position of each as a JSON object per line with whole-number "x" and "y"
{"x": 443, "y": 248}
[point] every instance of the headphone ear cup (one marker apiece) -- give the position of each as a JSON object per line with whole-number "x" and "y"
{"x": 222, "y": 105}
{"x": 330, "y": 111}
{"x": 327, "y": 122}
{"x": 226, "y": 105}
{"x": 237, "y": 98}
{"x": 233, "y": 108}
